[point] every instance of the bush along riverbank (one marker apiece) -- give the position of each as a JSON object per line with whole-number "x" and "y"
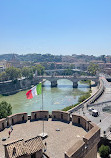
{"x": 81, "y": 99}
{"x": 86, "y": 82}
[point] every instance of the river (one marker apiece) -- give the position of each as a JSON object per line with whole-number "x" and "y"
{"x": 53, "y": 98}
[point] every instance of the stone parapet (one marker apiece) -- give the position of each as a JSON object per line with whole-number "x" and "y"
{"x": 17, "y": 118}
{"x": 81, "y": 120}
{"x": 84, "y": 148}
{"x": 37, "y": 115}
{"x": 61, "y": 116}
{"x": 3, "y": 124}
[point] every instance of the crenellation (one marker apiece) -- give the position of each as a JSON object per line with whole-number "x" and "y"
{"x": 82, "y": 147}
{"x": 61, "y": 115}
{"x": 36, "y": 115}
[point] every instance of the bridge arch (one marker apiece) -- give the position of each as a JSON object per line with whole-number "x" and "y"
{"x": 74, "y": 79}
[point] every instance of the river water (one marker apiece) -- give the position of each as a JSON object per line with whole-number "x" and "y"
{"x": 53, "y": 98}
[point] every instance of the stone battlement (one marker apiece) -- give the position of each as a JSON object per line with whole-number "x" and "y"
{"x": 85, "y": 148}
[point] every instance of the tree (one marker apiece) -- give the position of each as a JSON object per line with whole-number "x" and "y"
{"x": 5, "y": 109}
{"x": 93, "y": 68}
{"x": 27, "y": 71}
{"x": 52, "y": 66}
{"x": 13, "y": 73}
{"x": 3, "y": 76}
{"x": 39, "y": 68}
{"x": 104, "y": 151}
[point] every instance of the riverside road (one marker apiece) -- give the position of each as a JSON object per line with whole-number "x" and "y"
{"x": 104, "y": 119}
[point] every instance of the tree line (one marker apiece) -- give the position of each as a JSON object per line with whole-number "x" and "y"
{"x": 13, "y": 73}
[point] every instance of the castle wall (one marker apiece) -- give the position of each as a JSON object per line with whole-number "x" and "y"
{"x": 85, "y": 148}
{"x": 61, "y": 115}
{"x": 35, "y": 115}
{"x": 17, "y": 118}
{"x": 81, "y": 120}
{"x": 3, "y": 124}
{"x": 88, "y": 146}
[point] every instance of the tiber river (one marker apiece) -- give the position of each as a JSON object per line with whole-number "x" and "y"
{"x": 53, "y": 98}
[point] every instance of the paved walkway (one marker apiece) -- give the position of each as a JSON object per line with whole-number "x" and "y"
{"x": 57, "y": 141}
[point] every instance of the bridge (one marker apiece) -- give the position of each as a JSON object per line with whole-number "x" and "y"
{"x": 74, "y": 79}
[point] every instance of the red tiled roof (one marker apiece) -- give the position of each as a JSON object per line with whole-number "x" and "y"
{"x": 21, "y": 147}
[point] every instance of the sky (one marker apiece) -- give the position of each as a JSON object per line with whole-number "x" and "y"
{"x": 59, "y": 27}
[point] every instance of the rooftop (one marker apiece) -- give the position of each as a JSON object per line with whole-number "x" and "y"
{"x": 61, "y": 136}
{"x": 21, "y": 147}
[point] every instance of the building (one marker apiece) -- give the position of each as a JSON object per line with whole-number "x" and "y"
{"x": 3, "y": 65}
{"x": 31, "y": 148}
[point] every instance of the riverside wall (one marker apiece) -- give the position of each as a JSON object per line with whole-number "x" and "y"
{"x": 84, "y": 148}
{"x": 91, "y": 99}
{"x": 12, "y": 87}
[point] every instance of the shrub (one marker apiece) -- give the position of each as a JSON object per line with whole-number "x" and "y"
{"x": 69, "y": 107}
{"x": 104, "y": 151}
{"x": 5, "y": 109}
{"x": 84, "y": 97}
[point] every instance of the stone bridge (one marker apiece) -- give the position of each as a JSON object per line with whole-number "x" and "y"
{"x": 74, "y": 79}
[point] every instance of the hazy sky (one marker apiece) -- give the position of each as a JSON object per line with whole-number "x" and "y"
{"x": 55, "y": 26}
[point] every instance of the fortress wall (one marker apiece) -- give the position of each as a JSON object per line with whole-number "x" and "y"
{"x": 35, "y": 115}
{"x": 17, "y": 118}
{"x": 81, "y": 120}
{"x": 92, "y": 153}
{"x": 93, "y": 136}
{"x": 76, "y": 151}
{"x": 3, "y": 124}
{"x": 91, "y": 125}
{"x": 61, "y": 115}
{"x": 87, "y": 147}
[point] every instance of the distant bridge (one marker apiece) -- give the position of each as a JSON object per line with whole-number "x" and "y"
{"x": 74, "y": 79}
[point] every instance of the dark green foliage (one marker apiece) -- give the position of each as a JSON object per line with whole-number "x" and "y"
{"x": 39, "y": 68}
{"x": 27, "y": 71}
{"x": 69, "y": 107}
{"x": 13, "y": 73}
{"x": 5, "y": 109}
{"x": 84, "y": 97}
{"x": 104, "y": 151}
{"x": 93, "y": 68}
{"x": 86, "y": 82}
